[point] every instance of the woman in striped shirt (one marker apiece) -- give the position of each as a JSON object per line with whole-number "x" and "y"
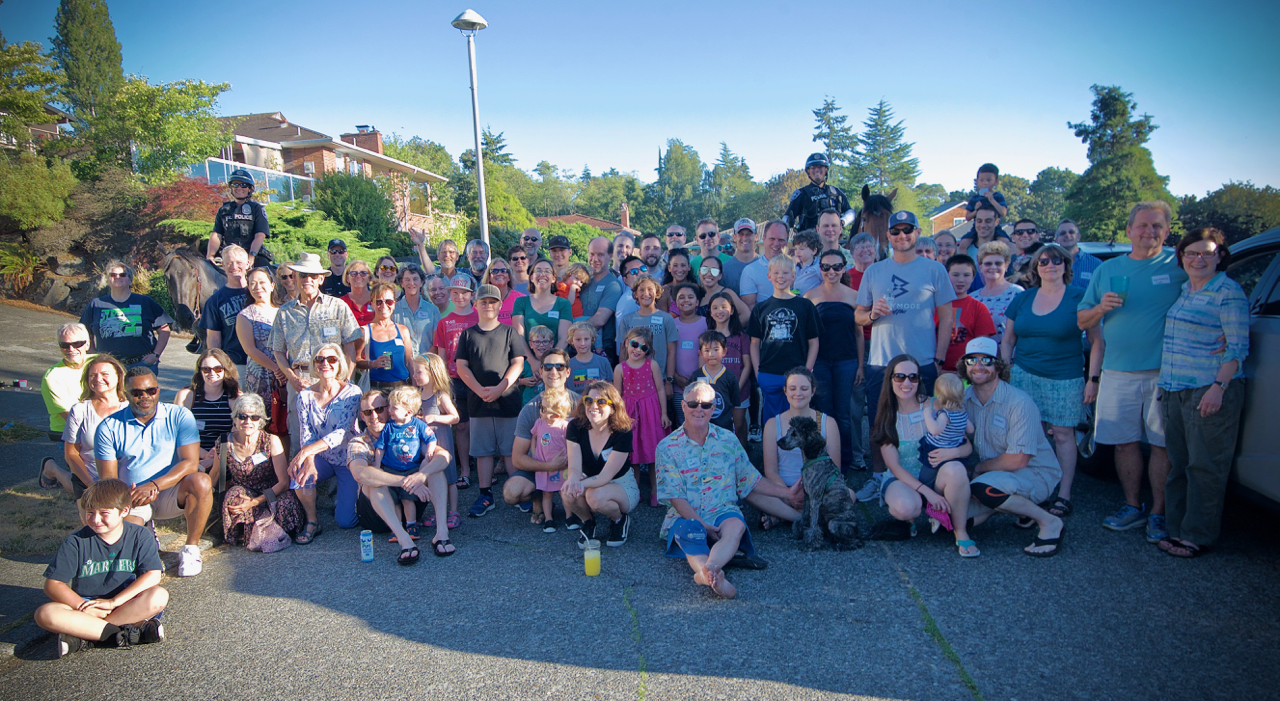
{"x": 213, "y": 390}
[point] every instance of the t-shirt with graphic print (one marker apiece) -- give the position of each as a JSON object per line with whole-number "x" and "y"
{"x": 914, "y": 290}
{"x": 220, "y": 314}
{"x": 784, "y": 327}
{"x": 581, "y": 373}
{"x": 446, "y": 337}
{"x": 97, "y": 569}
{"x": 404, "y": 445}
{"x": 124, "y": 329}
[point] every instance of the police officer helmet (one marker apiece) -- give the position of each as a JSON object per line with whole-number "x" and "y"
{"x": 240, "y": 175}
{"x": 817, "y": 159}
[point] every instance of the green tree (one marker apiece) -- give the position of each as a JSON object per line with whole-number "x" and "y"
{"x": 1121, "y": 172}
{"x": 433, "y": 157}
{"x": 837, "y": 139}
{"x": 601, "y": 196}
{"x": 677, "y": 194}
{"x": 1047, "y": 197}
{"x": 32, "y": 192}
{"x": 358, "y": 204}
{"x": 729, "y": 191}
{"x": 930, "y": 196}
{"x": 162, "y": 128}
{"x": 778, "y": 190}
{"x": 1239, "y": 210}
{"x": 550, "y": 194}
{"x": 88, "y": 53}
{"x": 27, "y": 81}
{"x": 884, "y": 156}
{"x": 579, "y": 236}
{"x": 1016, "y": 191}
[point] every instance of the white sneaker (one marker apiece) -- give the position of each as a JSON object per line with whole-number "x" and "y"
{"x": 189, "y": 561}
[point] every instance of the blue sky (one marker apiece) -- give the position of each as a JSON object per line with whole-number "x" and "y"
{"x": 606, "y": 84}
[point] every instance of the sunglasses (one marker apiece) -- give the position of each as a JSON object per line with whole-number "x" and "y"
{"x": 636, "y": 344}
{"x": 519, "y": 259}
{"x": 117, "y": 275}
{"x": 901, "y": 232}
{"x": 534, "y": 239}
{"x": 637, "y": 271}
{"x": 211, "y": 369}
{"x": 1023, "y": 232}
{"x": 499, "y": 271}
{"x": 359, "y": 273}
{"x": 592, "y": 401}
{"x": 557, "y": 367}
{"x": 708, "y": 235}
{"x": 388, "y": 268}
{"x": 985, "y": 361}
{"x": 1049, "y": 260}
{"x": 337, "y": 251}
{"x": 374, "y": 410}
{"x": 831, "y": 267}
{"x": 240, "y": 185}
{"x": 144, "y": 392}
{"x": 384, "y": 302}
{"x": 905, "y": 377}
{"x": 286, "y": 277}
{"x": 700, "y": 405}
{"x": 704, "y": 270}
{"x": 326, "y": 360}
{"x": 248, "y": 417}
{"x": 64, "y": 345}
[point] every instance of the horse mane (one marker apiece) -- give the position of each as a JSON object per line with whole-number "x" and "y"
{"x": 191, "y": 279}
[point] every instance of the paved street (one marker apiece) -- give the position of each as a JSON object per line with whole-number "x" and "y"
{"x": 512, "y": 616}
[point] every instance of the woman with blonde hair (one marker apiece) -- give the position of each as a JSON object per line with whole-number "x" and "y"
{"x": 996, "y": 292}
{"x": 327, "y": 413}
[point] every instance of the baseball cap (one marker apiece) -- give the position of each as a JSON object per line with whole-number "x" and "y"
{"x": 337, "y": 243}
{"x": 559, "y": 242}
{"x": 744, "y": 223}
{"x": 903, "y": 217}
{"x": 462, "y": 281}
{"x": 982, "y": 346}
{"x": 487, "y": 291}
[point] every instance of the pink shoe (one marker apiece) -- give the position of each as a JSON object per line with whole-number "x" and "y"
{"x": 455, "y": 520}
{"x": 941, "y": 518}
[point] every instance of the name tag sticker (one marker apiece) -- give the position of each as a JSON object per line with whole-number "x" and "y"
{"x": 686, "y": 345}
{"x": 916, "y": 417}
{"x": 1160, "y": 279}
{"x": 330, "y": 331}
{"x": 593, "y": 372}
{"x": 599, "y": 288}
{"x": 604, "y": 454}
{"x": 1087, "y": 275}
{"x": 693, "y": 463}
{"x": 422, "y": 313}
{"x": 199, "y": 424}
{"x": 999, "y": 422}
{"x": 655, "y": 321}
{"x": 368, "y": 308}
{"x": 1200, "y": 299}
{"x": 258, "y": 458}
{"x": 553, "y": 314}
{"x": 399, "y": 342}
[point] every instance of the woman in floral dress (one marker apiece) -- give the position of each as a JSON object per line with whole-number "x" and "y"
{"x": 256, "y": 475}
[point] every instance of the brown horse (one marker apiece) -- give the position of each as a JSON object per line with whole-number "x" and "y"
{"x": 192, "y": 280}
{"x": 873, "y": 218}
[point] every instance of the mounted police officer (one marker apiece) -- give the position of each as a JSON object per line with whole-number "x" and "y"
{"x": 808, "y": 202}
{"x": 241, "y": 221}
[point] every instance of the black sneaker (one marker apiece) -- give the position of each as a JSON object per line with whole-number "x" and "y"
{"x": 128, "y": 636}
{"x": 68, "y": 644}
{"x": 572, "y": 522}
{"x": 585, "y": 533}
{"x": 618, "y": 531}
{"x": 747, "y": 562}
{"x": 151, "y": 631}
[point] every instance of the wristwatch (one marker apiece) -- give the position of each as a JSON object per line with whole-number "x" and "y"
{"x": 1095, "y": 378}
{"x": 1223, "y": 385}
{"x": 940, "y": 361}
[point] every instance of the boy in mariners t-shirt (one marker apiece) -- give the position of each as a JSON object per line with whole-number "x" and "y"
{"x": 711, "y": 345}
{"x": 105, "y": 578}
{"x": 784, "y": 333}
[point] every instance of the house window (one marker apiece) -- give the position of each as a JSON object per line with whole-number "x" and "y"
{"x": 339, "y": 163}
{"x": 957, "y": 221}
{"x": 309, "y": 167}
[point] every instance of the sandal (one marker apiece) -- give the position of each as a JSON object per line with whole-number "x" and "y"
{"x": 408, "y": 556}
{"x": 45, "y": 482}
{"x": 1188, "y": 550}
{"x": 538, "y": 519}
{"x": 1061, "y": 507}
{"x": 462, "y": 483}
{"x": 1056, "y": 542}
{"x": 411, "y": 529}
{"x": 439, "y": 547}
{"x": 962, "y": 545}
{"x": 309, "y": 533}
{"x": 768, "y": 523}
{"x": 455, "y": 520}
{"x": 429, "y": 520}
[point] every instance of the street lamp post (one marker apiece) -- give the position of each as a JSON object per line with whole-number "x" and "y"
{"x": 470, "y": 22}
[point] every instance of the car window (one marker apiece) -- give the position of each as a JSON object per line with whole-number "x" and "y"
{"x": 1269, "y": 306}
{"x": 1249, "y": 272}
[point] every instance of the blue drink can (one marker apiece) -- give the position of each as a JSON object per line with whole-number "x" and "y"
{"x": 366, "y": 546}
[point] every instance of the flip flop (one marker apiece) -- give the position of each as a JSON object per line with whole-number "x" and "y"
{"x": 962, "y": 544}
{"x": 768, "y": 523}
{"x": 408, "y": 556}
{"x": 1060, "y": 507}
{"x": 1191, "y": 549}
{"x": 45, "y": 482}
{"x": 1056, "y": 542}
{"x": 438, "y": 546}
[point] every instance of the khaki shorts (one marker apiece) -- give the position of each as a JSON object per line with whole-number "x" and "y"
{"x": 163, "y": 508}
{"x": 1128, "y": 408}
{"x": 1029, "y": 483}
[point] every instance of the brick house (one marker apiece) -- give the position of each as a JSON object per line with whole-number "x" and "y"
{"x": 947, "y": 216}
{"x": 289, "y": 158}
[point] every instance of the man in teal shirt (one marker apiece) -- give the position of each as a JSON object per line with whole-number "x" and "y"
{"x": 1133, "y": 293}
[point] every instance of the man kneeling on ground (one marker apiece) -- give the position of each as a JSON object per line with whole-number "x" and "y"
{"x": 105, "y": 578}
{"x": 702, "y": 473}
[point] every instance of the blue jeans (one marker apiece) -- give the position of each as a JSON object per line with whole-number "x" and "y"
{"x": 344, "y": 507}
{"x": 835, "y": 398}
{"x": 773, "y": 395}
{"x": 875, "y": 378}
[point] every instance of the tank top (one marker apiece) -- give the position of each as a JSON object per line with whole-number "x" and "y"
{"x": 839, "y": 342}
{"x": 398, "y": 371}
{"x": 213, "y": 417}
{"x": 790, "y": 461}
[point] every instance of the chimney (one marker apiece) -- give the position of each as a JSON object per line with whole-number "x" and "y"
{"x": 366, "y": 137}
{"x": 626, "y": 216}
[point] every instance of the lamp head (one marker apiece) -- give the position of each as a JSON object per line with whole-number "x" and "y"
{"x": 470, "y": 21}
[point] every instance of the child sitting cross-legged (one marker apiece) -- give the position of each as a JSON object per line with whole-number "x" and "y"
{"x": 104, "y": 581}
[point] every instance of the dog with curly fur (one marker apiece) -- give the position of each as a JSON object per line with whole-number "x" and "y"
{"x": 829, "y": 513}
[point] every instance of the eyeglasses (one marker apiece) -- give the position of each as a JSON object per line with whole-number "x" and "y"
{"x": 985, "y": 361}
{"x": 556, "y": 367}
{"x": 636, "y": 344}
{"x": 373, "y": 410}
{"x": 592, "y": 401}
{"x": 1049, "y": 260}
{"x": 144, "y": 392}
{"x": 895, "y": 231}
{"x": 249, "y": 417}
{"x": 326, "y": 359}
{"x": 831, "y": 267}
{"x": 704, "y": 270}
{"x": 1023, "y": 232}
{"x": 637, "y": 271}
{"x": 211, "y": 369}
{"x": 906, "y": 377}
{"x": 384, "y": 302}
{"x": 64, "y": 345}
{"x": 534, "y": 239}
{"x": 1197, "y": 255}
{"x": 388, "y": 268}
{"x": 358, "y": 273}
{"x": 700, "y": 405}
{"x": 117, "y": 275}
{"x": 499, "y": 271}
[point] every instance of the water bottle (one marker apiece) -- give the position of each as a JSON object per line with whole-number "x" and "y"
{"x": 366, "y": 546}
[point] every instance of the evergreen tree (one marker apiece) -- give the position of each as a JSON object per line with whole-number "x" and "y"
{"x": 837, "y": 139}
{"x": 1111, "y": 128}
{"x": 27, "y": 81}
{"x": 884, "y": 157}
{"x": 86, "y": 50}
{"x": 677, "y": 194}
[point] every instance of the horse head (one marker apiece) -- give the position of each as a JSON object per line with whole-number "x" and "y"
{"x": 191, "y": 280}
{"x": 873, "y": 218}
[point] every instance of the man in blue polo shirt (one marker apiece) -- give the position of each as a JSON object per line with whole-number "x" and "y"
{"x": 155, "y": 447}
{"x": 1082, "y": 264}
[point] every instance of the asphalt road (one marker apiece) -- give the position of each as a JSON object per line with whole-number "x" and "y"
{"x": 512, "y": 616}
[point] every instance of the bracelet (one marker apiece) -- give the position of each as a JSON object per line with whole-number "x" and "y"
{"x": 918, "y": 487}
{"x": 153, "y": 484}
